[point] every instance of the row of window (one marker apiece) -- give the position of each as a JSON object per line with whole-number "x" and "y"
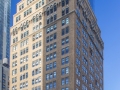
{"x": 15, "y": 31}
{"x": 51, "y": 28}
{"x": 84, "y": 69}
{"x": 36, "y": 62}
{"x": 37, "y": 17}
{"x": 77, "y": 82}
{"x": 18, "y": 18}
{"x": 36, "y": 71}
{"x": 77, "y": 62}
{"x": 64, "y": 60}
{"x": 24, "y": 51}
{"x": 37, "y": 35}
{"x": 65, "y": 41}
{"x": 78, "y": 33}
{"x": 37, "y": 27}
{"x": 65, "y": 51}
{"x": 51, "y": 38}
{"x": 24, "y": 43}
{"x": 78, "y": 23}
{"x": 27, "y": 12}
{"x": 23, "y": 68}
{"x": 14, "y": 64}
{"x": 39, "y": 4}
{"x": 24, "y": 76}
{"x": 65, "y": 71}
{"x": 36, "y": 45}
{"x": 14, "y": 80}
{"x": 14, "y": 72}
{"x": 51, "y": 85}
{"x": 65, "y": 21}
{"x": 65, "y": 11}
{"x": 15, "y": 39}
{"x": 36, "y": 53}
{"x": 14, "y": 87}
{"x": 51, "y": 19}
{"x": 78, "y": 42}
{"x": 14, "y": 56}
{"x": 77, "y": 52}
{"x": 65, "y": 88}
{"x": 51, "y": 66}
{"x": 21, "y": 6}
{"x": 24, "y": 25}
{"x": 14, "y": 48}
{"x": 50, "y": 76}
{"x": 24, "y": 85}
{"x": 36, "y": 88}
{"x": 52, "y": 9}
{"x": 51, "y": 47}
{"x": 36, "y": 80}
{"x": 65, "y": 31}
{"x": 23, "y": 59}
{"x": 65, "y": 2}
{"x": 65, "y": 81}
{"x": 51, "y": 56}
{"x": 29, "y": 1}
{"x": 77, "y": 72}
{"x": 25, "y": 34}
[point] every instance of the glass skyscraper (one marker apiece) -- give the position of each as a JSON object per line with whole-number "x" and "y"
{"x": 92, "y": 3}
{"x": 4, "y": 28}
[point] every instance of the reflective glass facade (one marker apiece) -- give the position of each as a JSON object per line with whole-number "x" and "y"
{"x": 4, "y": 28}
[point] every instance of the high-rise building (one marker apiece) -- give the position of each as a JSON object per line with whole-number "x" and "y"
{"x": 92, "y": 3}
{"x": 55, "y": 45}
{"x": 5, "y": 29}
{"x": 4, "y": 74}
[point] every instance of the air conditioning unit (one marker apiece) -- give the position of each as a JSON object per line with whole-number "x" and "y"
{"x": 5, "y": 61}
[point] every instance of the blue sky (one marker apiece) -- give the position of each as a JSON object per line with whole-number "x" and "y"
{"x": 108, "y": 16}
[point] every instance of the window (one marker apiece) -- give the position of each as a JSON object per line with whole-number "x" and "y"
{"x": 77, "y": 62}
{"x": 27, "y": 12}
{"x": 24, "y": 51}
{"x": 65, "y": 31}
{"x": 65, "y": 51}
{"x": 78, "y": 42}
{"x": 64, "y": 60}
{"x": 36, "y": 71}
{"x": 23, "y": 68}
{"x": 36, "y": 80}
{"x": 65, "y": 21}
{"x": 14, "y": 64}
{"x": 36, "y": 62}
{"x": 65, "y": 81}
{"x": 51, "y": 75}
{"x": 51, "y": 66}
{"x": 51, "y": 38}
{"x": 77, "y": 52}
{"x": 65, "y": 71}
{"x": 65, "y": 41}
{"x": 24, "y": 76}
{"x": 65, "y": 11}
{"x": 51, "y": 47}
{"x": 78, "y": 33}
{"x": 24, "y": 59}
{"x": 36, "y": 53}
{"x": 51, "y": 85}
{"x": 36, "y": 45}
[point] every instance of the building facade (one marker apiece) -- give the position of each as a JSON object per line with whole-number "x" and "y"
{"x": 5, "y": 29}
{"x": 55, "y": 45}
{"x": 4, "y": 74}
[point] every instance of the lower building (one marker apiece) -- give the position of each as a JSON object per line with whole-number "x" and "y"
{"x": 4, "y": 74}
